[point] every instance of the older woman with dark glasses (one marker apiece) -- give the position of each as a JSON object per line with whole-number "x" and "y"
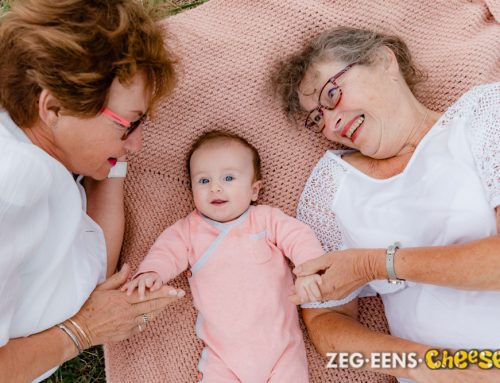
{"x": 76, "y": 80}
{"x": 409, "y": 211}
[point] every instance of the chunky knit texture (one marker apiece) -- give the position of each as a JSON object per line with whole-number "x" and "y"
{"x": 227, "y": 49}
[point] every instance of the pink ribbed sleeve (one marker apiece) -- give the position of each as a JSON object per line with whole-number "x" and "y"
{"x": 169, "y": 254}
{"x": 294, "y": 238}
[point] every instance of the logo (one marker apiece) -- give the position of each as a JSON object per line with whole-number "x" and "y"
{"x": 374, "y": 360}
{"x": 434, "y": 359}
{"x": 461, "y": 359}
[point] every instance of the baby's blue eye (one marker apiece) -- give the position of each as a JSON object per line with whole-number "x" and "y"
{"x": 203, "y": 181}
{"x": 228, "y": 178}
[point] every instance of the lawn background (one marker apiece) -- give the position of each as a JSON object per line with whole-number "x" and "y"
{"x": 89, "y": 366}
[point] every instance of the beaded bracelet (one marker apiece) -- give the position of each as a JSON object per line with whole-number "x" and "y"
{"x": 73, "y": 337}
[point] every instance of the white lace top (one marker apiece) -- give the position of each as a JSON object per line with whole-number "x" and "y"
{"x": 447, "y": 194}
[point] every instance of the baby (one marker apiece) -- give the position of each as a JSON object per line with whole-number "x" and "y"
{"x": 238, "y": 276}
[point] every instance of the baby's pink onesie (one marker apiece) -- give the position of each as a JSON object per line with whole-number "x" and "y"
{"x": 241, "y": 285}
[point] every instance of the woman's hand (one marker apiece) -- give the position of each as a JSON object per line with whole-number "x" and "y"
{"x": 344, "y": 271}
{"x": 111, "y": 315}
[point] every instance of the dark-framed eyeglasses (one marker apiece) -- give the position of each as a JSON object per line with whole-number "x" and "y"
{"x": 128, "y": 125}
{"x": 328, "y": 98}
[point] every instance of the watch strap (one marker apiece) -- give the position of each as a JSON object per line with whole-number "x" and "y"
{"x": 389, "y": 263}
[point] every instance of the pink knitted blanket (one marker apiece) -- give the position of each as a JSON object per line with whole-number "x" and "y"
{"x": 227, "y": 49}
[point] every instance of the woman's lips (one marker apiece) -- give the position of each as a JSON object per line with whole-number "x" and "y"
{"x": 112, "y": 161}
{"x": 356, "y": 133}
{"x": 352, "y": 128}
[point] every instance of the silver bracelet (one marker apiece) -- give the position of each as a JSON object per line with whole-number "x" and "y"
{"x": 83, "y": 334}
{"x": 73, "y": 337}
{"x": 389, "y": 264}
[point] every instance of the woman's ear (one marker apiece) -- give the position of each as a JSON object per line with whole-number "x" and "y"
{"x": 256, "y": 186}
{"x": 48, "y": 108}
{"x": 387, "y": 59}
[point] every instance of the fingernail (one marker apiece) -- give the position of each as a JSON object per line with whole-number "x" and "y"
{"x": 298, "y": 269}
{"x": 181, "y": 293}
{"x": 172, "y": 293}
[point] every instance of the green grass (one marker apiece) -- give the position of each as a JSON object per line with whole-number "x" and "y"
{"x": 173, "y": 6}
{"x": 4, "y": 6}
{"x": 87, "y": 368}
{"x": 179, "y": 6}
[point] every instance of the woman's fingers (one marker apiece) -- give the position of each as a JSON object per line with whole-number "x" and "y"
{"x": 142, "y": 321}
{"x": 164, "y": 291}
{"x": 153, "y": 304}
{"x": 147, "y": 317}
{"x": 116, "y": 280}
{"x": 314, "y": 265}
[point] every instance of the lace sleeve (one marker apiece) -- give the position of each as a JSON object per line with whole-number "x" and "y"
{"x": 315, "y": 210}
{"x": 316, "y": 200}
{"x": 483, "y": 106}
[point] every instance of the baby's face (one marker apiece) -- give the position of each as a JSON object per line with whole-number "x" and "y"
{"x": 222, "y": 179}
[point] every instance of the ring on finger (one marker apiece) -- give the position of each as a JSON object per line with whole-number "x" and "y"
{"x": 145, "y": 318}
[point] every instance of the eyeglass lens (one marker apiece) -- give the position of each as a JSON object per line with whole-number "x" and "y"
{"x": 133, "y": 126}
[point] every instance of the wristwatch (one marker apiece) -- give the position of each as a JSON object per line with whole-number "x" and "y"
{"x": 389, "y": 264}
{"x": 119, "y": 170}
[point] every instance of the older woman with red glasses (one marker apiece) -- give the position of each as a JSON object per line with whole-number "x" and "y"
{"x": 77, "y": 78}
{"x": 409, "y": 211}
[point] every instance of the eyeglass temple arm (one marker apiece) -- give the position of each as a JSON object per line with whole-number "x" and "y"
{"x": 115, "y": 117}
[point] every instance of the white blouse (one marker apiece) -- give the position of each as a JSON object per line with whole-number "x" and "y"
{"x": 447, "y": 194}
{"x": 52, "y": 254}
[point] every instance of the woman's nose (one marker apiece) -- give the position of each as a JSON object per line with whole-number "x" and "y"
{"x": 133, "y": 142}
{"x": 331, "y": 119}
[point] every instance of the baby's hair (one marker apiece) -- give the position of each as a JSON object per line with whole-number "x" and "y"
{"x": 219, "y": 135}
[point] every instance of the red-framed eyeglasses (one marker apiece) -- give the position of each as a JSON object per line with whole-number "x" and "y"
{"x": 129, "y": 126}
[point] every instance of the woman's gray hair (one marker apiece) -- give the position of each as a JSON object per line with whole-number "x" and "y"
{"x": 344, "y": 44}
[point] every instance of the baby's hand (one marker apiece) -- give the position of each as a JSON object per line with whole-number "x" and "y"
{"x": 307, "y": 289}
{"x": 150, "y": 280}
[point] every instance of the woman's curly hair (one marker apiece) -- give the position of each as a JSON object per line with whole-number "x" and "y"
{"x": 343, "y": 44}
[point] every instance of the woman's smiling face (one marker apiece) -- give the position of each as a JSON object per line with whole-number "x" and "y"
{"x": 366, "y": 116}
{"x": 90, "y": 146}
